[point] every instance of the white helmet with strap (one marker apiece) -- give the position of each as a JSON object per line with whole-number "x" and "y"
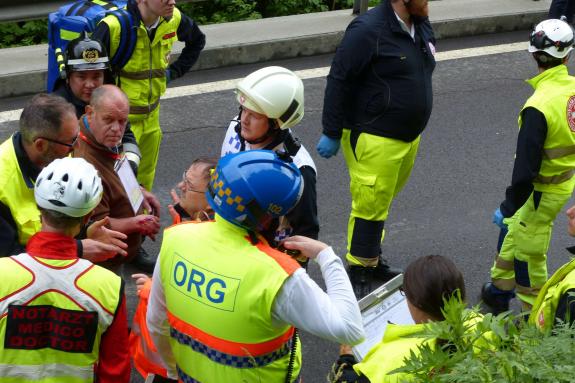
{"x": 275, "y": 92}
{"x": 553, "y": 36}
{"x": 70, "y": 186}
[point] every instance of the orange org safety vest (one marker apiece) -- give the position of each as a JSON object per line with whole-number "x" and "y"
{"x": 146, "y": 358}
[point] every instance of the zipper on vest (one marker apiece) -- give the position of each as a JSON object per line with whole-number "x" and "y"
{"x": 150, "y": 76}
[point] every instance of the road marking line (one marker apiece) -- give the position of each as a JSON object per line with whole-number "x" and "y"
{"x": 10, "y": 115}
{"x": 219, "y": 86}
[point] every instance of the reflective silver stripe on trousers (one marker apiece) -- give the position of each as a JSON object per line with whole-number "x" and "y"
{"x": 144, "y": 109}
{"x": 45, "y": 371}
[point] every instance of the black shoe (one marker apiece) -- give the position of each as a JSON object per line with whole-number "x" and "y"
{"x": 361, "y": 280}
{"x": 383, "y": 272}
{"x": 495, "y": 299}
{"x": 144, "y": 261}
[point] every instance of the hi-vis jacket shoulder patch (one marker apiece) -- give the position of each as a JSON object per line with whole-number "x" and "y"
{"x": 571, "y": 113}
{"x": 207, "y": 287}
{"x": 38, "y": 327}
{"x": 168, "y": 35}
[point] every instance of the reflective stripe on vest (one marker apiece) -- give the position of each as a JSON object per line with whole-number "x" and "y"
{"x": 146, "y": 109}
{"x": 559, "y": 152}
{"x": 185, "y": 378}
{"x": 143, "y": 75}
{"x": 230, "y": 353}
{"x": 558, "y": 179}
{"x": 46, "y": 371}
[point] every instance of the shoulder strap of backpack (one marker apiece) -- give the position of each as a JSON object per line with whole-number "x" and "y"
{"x": 79, "y": 8}
{"x": 74, "y": 8}
{"x": 128, "y": 38}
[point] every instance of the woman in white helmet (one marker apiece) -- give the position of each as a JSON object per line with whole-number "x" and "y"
{"x": 543, "y": 171}
{"x": 271, "y": 102}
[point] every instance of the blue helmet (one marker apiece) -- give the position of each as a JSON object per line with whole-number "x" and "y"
{"x": 251, "y": 188}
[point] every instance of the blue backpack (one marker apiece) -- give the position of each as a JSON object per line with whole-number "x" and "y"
{"x": 83, "y": 16}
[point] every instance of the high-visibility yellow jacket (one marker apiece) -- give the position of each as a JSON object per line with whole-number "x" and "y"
{"x": 398, "y": 341}
{"x": 554, "y": 96}
{"x": 143, "y": 78}
{"x": 545, "y": 307}
{"x": 17, "y": 192}
{"x": 53, "y": 312}
{"x": 397, "y": 344}
{"x": 219, "y": 291}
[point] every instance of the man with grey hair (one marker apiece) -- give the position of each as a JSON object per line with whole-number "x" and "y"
{"x": 48, "y": 129}
{"x": 101, "y": 131}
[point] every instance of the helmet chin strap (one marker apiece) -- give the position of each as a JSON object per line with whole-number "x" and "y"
{"x": 271, "y": 132}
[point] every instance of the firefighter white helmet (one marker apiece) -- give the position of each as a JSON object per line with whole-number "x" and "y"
{"x": 70, "y": 186}
{"x": 275, "y": 92}
{"x": 553, "y": 36}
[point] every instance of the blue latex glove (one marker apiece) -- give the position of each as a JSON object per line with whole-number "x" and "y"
{"x": 498, "y": 219}
{"x": 168, "y": 76}
{"x": 327, "y": 147}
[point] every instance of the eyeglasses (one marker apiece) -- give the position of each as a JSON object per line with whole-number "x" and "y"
{"x": 71, "y": 145}
{"x": 189, "y": 186}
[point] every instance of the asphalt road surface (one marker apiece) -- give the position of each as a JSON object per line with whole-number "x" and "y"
{"x": 463, "y": 167}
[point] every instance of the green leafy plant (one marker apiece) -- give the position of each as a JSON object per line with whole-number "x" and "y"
{"x": 220, "y": 11}
{"x": 269, "y": 8}
{"x": 23, "y": 33}
{"x": 203, "y": 12}
{"x": 491, "y": 349}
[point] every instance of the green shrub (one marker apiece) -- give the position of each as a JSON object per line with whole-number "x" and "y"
{"x": 513, "y": 354}
{"x": 23, "y": 33}
{"x": 203, "y": 12}
{"x": 220, "y": 11}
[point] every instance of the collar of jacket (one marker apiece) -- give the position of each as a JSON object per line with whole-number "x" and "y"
{"x": 558, "y": 71}
{"x": 132, "y": 7}
{"x": 73, "y": 99}
{"x": 52, "y": 246}
{"x": 29, "y": 170}
{"x": 87, "y": 136}
{"x": 389, "y": 14}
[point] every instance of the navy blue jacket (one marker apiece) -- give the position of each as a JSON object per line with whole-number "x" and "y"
{"x": 560, "y": 8}
{"x": 380, "y": 78}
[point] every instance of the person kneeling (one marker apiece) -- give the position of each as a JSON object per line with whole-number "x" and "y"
{"x": 427, "y": 282}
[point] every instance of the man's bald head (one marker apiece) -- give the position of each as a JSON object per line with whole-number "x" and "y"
{"x": 108, "y": 91}
{"x": 108, "y": 114}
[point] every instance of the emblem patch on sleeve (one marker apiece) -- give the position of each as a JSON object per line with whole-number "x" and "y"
{"x": 571, "y": 113}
